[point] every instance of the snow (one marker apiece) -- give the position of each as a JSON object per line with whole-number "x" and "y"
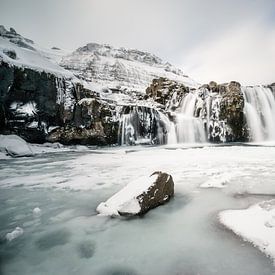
{"x": 255, "y": 224}
{"x": 17, "y": 232}
{"x": 33, "y": 59}
{"x": 134, "y": 70}
{"x": 36, "y": 212}
{"x": 217, "y": 181}
{"x": 14, "y": 146}
{"x": 126, "y": 199}
{"x": 28, "y": 109}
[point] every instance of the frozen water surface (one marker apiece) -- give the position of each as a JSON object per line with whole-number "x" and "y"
{"x": 181, "y": 237}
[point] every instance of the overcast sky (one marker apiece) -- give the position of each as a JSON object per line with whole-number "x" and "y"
{"x": 217, "y": 40}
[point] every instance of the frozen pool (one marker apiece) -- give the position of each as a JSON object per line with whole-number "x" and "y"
{"x": 182, "y": 237}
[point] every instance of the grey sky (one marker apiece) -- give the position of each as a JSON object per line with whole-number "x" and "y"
{"x": 209, "y": 39}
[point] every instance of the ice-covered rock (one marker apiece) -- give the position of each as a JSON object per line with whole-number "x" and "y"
{"x": 18, "y": 231}
{"x": 139, "y": 196}
{"x": 15, "y": 146}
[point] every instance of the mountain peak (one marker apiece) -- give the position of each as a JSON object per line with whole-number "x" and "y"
{"x": 121, "y": 52}
{"x": 103, "y": 65}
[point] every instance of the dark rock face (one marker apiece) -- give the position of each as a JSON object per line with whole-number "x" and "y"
{"x": 160, "y": 192}
{"x": 219, "y": 106}
{"x": 231, "y": 111}
{"x": 10, "y": 53}
{"x": 33, "y": 103}
{"x": 166, "y": 92}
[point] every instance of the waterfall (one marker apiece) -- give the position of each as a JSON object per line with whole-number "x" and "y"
{"x": 189, "y": 129}
{"x": 142, "y": 125}
{"x": 199, "y": 117}
{"x": 259, "y": 111}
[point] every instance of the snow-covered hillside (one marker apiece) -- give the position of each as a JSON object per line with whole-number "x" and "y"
{"x": 23, "y": 52}
{"x": 104, "y": 66}
{"x": 99, "y": 67}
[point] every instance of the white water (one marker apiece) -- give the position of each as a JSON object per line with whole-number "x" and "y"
{"x": 126, "y": 128}
{"x": 189, "y": 129}
{"x": 197, "y": 120}
{"x": 260, "y": 112}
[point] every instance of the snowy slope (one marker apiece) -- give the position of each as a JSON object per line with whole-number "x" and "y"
{"x": 98, "y": 67}
{"x": 118, "y": 68}
{"x": 22, "y": 52}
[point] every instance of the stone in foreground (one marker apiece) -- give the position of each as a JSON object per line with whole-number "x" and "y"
{"x": 139, "y": 196}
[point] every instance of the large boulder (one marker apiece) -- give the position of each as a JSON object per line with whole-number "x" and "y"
{"x": 139, "y": 196}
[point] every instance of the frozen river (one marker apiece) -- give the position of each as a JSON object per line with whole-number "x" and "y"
{"x": 181, "y": 237}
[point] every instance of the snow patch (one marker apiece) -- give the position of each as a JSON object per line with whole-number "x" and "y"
{"x": 255, "y": 224}
{"x": 17, "y": 232}
{"x": 28, "y": 109}
{"x": 36, "y": 212}
{"x": 217, "y": 181}
{"x": 33, "y": 59}
{"x": 14, "y": 146}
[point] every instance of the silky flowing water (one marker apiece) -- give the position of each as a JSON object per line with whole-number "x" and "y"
{"x": 181, "y": 237}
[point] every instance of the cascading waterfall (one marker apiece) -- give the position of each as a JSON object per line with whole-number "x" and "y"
{"x": 259, "y": 111}
{"x": 197, "y": 119}
{"x": 142, "y": 125}
{"x": 188, "y": 128}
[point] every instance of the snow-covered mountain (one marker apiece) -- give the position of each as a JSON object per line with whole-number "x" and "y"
{"x": 104, "y": 66}
{"x": 22, "y": 52}
{"x": 98, "y": 67}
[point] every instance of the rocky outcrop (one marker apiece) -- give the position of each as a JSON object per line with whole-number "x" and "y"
{"x": 231, "y": 111}
{"x": 166, "y": 92}
{"x": 139, "y": 196}
{"x": 40, "y": 106}
{"x": 215, "y": 111}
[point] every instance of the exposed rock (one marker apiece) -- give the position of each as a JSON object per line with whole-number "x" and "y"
{"x": 157, "y": 194}
{"x": 219, "y": 107}
{"x": 10, "y": 53}
{"x": 272, "y": 87}
{"x": 16, "y": 38}
{"x": 139, "y": 196}
{"x": 32, "y": 102}
{"x": 231, "y": 110}
{"x": 166, "y": 92}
